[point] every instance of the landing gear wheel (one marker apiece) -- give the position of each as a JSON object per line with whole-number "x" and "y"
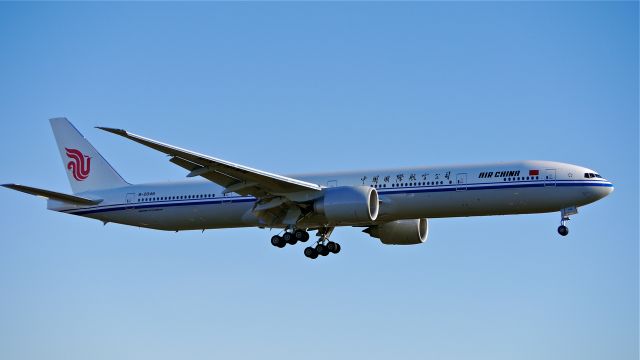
{"x": 277, "y": 241}
{"x": 310, "y": 252}
{"x": 333, "y": 247}
{"x": 289, "y": 238}
{"x": 563, "y": 230}
{"x": 322, "y": 250}
{"x": 301, "y": 235}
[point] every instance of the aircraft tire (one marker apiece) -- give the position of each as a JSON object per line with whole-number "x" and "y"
{"x": 322, "y": 250}
{"x": 310, "y": 252}
{"x": 278, "y": 241}
{"x": 332, "y": 247}
{"x": 289, "y": 238}
{"x": 563, "y": 230}
{"x": 301, "y": 235}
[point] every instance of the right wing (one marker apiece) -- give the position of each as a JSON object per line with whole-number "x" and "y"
{"x": 70, "y": 199}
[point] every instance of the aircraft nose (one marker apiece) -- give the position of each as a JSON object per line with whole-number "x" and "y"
{"x": 609, "y": 188}
{"x": 602, "y": 191}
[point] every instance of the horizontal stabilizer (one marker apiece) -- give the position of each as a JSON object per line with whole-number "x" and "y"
{"x": 71, "y": 199}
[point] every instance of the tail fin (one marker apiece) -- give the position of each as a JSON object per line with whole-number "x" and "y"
{"x": 86, "y": 168}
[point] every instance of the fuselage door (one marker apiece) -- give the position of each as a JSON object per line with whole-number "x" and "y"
{"x": 129, "y": 200}
{"x": 461, "y": 182}
{"x": 550, "y": 177}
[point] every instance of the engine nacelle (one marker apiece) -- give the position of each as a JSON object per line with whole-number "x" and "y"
{"x": 401, "y": 232}
{"x": 348, "y": 204}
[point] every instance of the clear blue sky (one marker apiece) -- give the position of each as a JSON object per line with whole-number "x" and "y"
{"x": 296, "y": 87}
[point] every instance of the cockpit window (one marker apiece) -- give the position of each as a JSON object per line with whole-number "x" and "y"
{"x": 592, "y": 175}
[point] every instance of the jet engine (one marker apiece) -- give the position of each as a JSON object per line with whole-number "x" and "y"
{"x": 348, "y": 204}
{"x": 400, "y": 232}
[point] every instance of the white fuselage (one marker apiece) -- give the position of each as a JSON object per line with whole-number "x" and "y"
{"x": 409, "y": 193}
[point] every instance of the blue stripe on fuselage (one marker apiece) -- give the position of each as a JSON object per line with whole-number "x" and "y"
{"x": 392, "y": 191}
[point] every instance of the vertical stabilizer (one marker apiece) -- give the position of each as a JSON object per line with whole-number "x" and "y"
{"x": 86, "y": 168}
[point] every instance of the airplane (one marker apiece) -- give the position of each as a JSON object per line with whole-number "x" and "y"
{"x": 392, "y": 205}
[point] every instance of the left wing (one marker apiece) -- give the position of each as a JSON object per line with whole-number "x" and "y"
{"x": 233, "y": 177}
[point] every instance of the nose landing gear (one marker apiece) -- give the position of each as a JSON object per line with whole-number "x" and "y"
{"x": 563, "y": 230}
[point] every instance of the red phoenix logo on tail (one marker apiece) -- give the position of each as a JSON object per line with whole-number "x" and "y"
{"x": 80, "y": 164}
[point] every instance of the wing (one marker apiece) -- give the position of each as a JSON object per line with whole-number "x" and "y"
{"x": 233, "y": 177}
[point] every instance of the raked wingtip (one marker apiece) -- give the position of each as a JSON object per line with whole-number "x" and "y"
{"x": 113, "y": 130}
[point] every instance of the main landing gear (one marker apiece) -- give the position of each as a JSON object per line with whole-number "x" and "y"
{"x": 563, "y": 230}
{"x": 289, "y": 237}
{"x": 323, "y": 246}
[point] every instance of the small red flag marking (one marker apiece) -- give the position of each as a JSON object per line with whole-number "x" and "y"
{"x": 534, "y": 172}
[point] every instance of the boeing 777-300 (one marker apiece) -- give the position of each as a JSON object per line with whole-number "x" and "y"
{"x": 392, "y": 205}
